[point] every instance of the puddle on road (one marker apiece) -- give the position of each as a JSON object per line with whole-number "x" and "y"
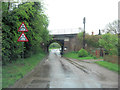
{"x": 68, "y": 73}
{"x": 65, "y": 68}
{"x": 74, "y": 83}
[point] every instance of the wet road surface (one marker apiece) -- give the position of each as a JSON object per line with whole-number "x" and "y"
{"x": 58, "y": 72}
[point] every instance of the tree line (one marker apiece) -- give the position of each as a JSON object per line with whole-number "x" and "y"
{"x": 36, "y": 21}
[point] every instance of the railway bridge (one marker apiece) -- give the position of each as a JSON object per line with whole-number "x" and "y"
{"x": 68, "y": 41}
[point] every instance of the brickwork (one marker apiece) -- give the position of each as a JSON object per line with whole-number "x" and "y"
{"x": 66, "y": 45}
{"x": 95, "y": 51}
{"x": 73, "y": 44}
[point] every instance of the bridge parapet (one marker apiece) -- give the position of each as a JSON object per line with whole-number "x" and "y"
{"x": 65, "y": 37}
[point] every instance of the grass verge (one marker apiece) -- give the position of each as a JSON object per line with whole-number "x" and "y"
{"x": 74, "y": 55}
{"x": 108, "y": 65}
{"x": 17, "y": 69}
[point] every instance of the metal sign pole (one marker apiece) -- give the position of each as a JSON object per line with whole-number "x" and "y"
{"x": 23, "y": 50}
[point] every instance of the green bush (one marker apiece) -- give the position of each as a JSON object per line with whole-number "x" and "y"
{"x": 94, "y": 57}
{"x": 91, "y": 55}
{"x": 82, "y": 53}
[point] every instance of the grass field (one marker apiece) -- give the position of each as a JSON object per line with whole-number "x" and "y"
{"x": 16, "y": 70}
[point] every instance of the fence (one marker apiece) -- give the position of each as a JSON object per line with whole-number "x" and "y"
{"x": 112, "y": 58}
{"x": 108, "y": 58}
{"x": 95, "y": 51}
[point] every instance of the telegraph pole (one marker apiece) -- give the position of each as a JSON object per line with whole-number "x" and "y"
{"x": 84, "y": 33}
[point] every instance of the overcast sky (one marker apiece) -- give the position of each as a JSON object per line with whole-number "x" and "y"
{"x": 68, "y": 14}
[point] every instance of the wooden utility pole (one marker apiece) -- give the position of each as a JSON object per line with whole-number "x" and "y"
{"x": 99, "y": 32}
{"x": 84, "y": 33}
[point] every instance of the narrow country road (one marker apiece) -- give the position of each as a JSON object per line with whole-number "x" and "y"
{"x": 58, "y": 72}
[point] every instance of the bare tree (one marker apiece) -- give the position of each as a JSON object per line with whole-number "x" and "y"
{"x": 111, "y": 27}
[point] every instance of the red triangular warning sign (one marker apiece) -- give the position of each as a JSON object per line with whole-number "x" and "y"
{"x": 22, "y": 38}
{"x": 22, "y": 28}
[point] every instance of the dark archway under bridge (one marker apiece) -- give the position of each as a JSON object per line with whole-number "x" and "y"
{"x": 60, "y": 42}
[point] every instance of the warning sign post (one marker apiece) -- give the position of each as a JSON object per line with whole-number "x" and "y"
{"x": 22, "y": 37}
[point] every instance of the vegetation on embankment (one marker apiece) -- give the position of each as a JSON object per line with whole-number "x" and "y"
{"x": 32, "y": 14}
{"x": 108, "y": 65}
{"x": 17, "y": 69}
